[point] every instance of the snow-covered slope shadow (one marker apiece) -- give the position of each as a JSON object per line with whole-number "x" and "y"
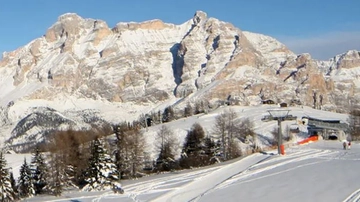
{"x": 200, "y": 186}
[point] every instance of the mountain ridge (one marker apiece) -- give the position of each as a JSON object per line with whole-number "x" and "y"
{"x": 134, "y": 69}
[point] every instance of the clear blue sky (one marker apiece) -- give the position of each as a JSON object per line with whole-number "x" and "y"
{"x": 321, "y": 27}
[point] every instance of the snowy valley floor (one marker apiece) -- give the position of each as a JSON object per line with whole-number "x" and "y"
{"x": 320, "y": 171}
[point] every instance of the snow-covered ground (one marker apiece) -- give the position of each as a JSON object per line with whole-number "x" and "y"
{"x": 319, "y": 171}
{"x": 253, "y": 113}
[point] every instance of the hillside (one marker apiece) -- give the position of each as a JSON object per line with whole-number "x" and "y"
{"x": 291, "y": 174}
{"x": 259, "y": 177}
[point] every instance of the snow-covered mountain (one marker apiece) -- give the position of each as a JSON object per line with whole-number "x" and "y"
{"x": 81, "y": 65}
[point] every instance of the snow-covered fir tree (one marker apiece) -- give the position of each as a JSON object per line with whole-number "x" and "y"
{"x": 59, "y": 178}
{"x": 194, "y": 149}
{"x": 25, "y": 181}
{"x": 194, "y": 140}
{"x": 13, "y": 184}
{"x": 102, "y": 172}
{"x": 6, "y": 190}
{"x": 39, "y": 171}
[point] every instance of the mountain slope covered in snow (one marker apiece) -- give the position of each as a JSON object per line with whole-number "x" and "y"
{"x": 320, "y": 171}
{"x": 134, "y": 69}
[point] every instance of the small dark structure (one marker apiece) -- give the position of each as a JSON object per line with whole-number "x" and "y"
{"x": 269, "y": 102}
{"x": 283, "y": 104}
{"x": 232, "y": 100}
{"x": 149, "y": 121}
{"x": 294, "y": 129}
{"x": 295, "y": 102}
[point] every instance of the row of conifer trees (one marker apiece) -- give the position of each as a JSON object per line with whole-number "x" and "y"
{"x": 92, "y": 160}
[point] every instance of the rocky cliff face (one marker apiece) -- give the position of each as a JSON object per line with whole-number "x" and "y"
{"x": 134, "y": 68}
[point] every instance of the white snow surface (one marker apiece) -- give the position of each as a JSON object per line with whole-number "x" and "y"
{"x": 319, "y": 171}
{"x": 253, "y": 113}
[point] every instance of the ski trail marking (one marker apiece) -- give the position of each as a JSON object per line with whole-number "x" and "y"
{"x": 354, "y": 197}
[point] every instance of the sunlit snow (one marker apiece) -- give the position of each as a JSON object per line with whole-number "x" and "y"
{"x": 319, "y": 171}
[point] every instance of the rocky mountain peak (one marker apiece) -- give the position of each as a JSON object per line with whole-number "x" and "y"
{"x": 67, "y": 25}
{"x": 199, "y": 16}
{"x": 155, "y": 24}
{"x": 146, "y": 66}
{"x": 68, "y": 17}
{"x": 349, "y": 59}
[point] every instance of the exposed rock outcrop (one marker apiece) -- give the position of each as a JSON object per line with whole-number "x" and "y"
{"x": 153, "y": 62}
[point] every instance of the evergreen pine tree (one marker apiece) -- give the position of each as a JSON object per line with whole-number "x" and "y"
{"x": 212, "y": 150}
{"x": 188, "y": 111}
{"x": 102, "y": 172}
{"x": 166, "y": 157}
{"x": 209, "y": 147}
{"x": 168, "y": 114}
{"x": 194, "y": 140}
{"x": 39, "y": 171}
{"x": 193, "y": 149}
{"x": 6, "y": 191}
{"x": 13, "y": 184}
{"x": 25, "y": 181}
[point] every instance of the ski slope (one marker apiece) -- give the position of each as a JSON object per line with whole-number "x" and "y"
{"x": 319, "y": 171}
